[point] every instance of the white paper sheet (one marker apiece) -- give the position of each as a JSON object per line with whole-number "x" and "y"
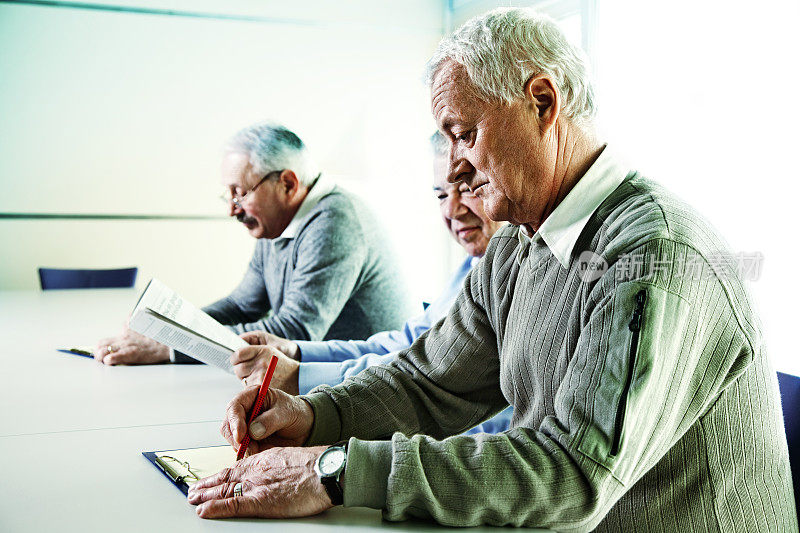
{"x": 162, "y": 315}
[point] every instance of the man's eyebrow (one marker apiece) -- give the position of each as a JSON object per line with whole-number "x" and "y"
{"x": 447, "y": 124}
{"x": 437, "y": 188}
{"x": 449, "y": 119}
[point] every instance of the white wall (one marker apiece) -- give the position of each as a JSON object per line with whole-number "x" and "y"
{"x": 108, "y": 112}
{"x": 464, "y": 10}
{"x": 702, "y": 97}
{"x": 124, "y": 113}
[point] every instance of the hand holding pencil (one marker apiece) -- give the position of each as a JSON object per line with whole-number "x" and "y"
{"x": 283, "y": 420}
{"x": 256, "y": 410}
{"x": 278, "y": 479}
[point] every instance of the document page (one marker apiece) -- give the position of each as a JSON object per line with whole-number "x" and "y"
{"x": 186, "y": 467}
{"x": 167, "y": 303}
{"x": 161, "y": 329}
{"x": 197, "y": 463}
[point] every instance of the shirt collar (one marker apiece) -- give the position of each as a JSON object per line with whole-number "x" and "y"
{"x": 319, "y": 189}
{"x": 560, "y": 230}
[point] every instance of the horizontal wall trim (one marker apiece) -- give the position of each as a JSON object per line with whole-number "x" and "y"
{"x": 163, "y": 12}
{"x": 90, "y": 216}
{"x": 214, "y": 16}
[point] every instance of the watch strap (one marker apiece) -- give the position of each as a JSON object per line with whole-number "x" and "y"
{"x": 332, "y": 485}
{"x": 333, "y": 489}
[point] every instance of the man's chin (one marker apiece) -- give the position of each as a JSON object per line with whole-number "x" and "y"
{"x": 475, "y": 250}
{"x": 495, "y": 210}
{"x": 254, "y": 231}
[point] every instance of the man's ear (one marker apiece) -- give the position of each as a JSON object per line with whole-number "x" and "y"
{"x": 289, "y": 183}
{"x": 541, "y": 92}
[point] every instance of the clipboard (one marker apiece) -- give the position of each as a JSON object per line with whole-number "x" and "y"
{"x": 187, "y": 466}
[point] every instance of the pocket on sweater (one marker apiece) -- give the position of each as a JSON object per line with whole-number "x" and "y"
{"x": 631, "y": 398}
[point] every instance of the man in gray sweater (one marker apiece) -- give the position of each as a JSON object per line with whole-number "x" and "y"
{"x": 610, "y": 316}
{"x": 322, "y": 269}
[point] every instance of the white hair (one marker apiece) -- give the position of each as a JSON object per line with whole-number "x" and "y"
{"x": 502, "y": 49}
{"x": 271, "y": 147}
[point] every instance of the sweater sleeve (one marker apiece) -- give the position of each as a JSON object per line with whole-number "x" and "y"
{"x": 336, "y": 351}
{"x": 647, "y": 363}
{"x": 249, "y": 301}
{"x": 246, "y": 303}
{"x": 380, "y": 343}
{"x": 311, "y": 375}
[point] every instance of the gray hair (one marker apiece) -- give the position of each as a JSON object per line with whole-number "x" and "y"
{"x": 272, "y": 147}
{"x": 439, "y": 144}
{"x": 502, "y": 49}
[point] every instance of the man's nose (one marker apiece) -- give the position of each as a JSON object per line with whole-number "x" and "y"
{"x": 233, "y": 209}
{"x": 459, "y": 169}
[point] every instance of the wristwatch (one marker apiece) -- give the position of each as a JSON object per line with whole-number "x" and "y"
{"x": 329, "y": 467}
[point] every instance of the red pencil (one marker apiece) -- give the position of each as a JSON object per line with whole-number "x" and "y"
{"x": 262, "y": 393}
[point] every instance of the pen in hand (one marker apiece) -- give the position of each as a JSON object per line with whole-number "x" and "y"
{"x": 262, "y": 394}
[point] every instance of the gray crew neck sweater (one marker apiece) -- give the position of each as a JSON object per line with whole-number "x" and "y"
{"x": 336, "y": 279}
{"x": 643, "y": 397}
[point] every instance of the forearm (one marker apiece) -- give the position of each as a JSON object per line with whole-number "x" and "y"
{"x": 336, "y": 350}
{"x": 283, "y": 324}
{"x": 384, "y": 399}
{"x": 380, "y": 343}
{"x": 228, "y": 312}
{"x": 519, "y": 478}
{"x": 312, "y": 374}
{"x": 286, "y": 323}
{"x": 248, "y": 302}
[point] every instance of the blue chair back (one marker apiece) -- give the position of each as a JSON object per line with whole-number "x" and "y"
{"x": 60, "y": 278}
{"x": 790, "y": 399}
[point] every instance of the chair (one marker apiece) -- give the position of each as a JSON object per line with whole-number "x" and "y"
{"x": 58, "y": 278}
{"x": 790, "y": 399}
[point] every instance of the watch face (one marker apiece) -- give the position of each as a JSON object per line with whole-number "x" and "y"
{"x": 331, "y": 461}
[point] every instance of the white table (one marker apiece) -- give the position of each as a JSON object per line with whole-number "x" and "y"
{"x": 52, "y": 391}
{"x": 72, "y": 430}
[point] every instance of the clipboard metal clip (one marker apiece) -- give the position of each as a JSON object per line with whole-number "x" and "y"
{"x": 191, "y": 477}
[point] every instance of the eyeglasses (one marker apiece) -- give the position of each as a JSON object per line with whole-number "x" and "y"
{"x": 238, "y": 200}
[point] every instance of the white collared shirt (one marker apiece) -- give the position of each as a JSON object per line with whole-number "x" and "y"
{"x": 321, "y": 188}
{"x": 560, "y": 230}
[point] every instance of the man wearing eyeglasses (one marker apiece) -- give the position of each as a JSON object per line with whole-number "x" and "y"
{"x": 322, "y": 269}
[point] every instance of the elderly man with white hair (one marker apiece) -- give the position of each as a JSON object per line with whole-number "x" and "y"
{"x": 607, "y": 315}
{"x": 321, "y": 269}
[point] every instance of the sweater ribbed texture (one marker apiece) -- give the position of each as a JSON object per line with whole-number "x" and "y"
{"x": 674, "y": 426}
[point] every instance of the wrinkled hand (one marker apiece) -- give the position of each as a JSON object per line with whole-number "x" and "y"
{"x": 287, "y": 347}
{"x": 250, "y": 365}
{"x": 130, "y": 348}
{"x": 286, "y": 420}
{"x": 276, "y": 483}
